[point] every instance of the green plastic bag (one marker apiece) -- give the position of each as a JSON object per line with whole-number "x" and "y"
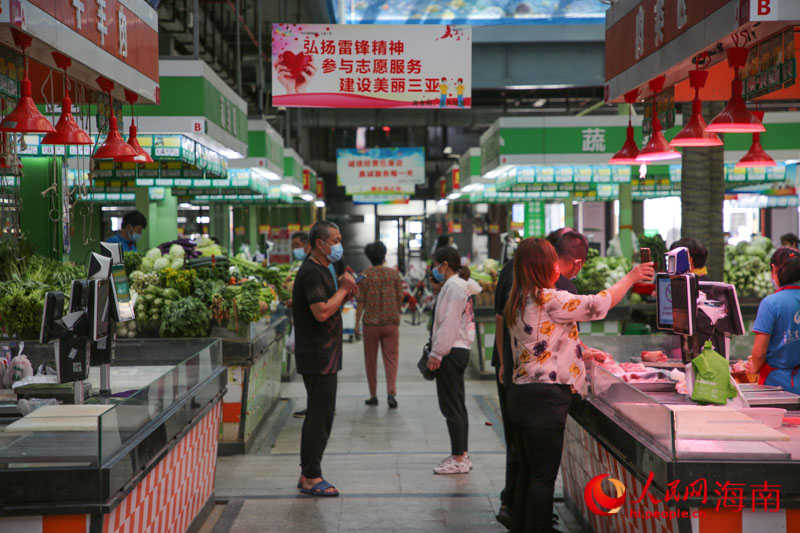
{"x": 712, "y": 381}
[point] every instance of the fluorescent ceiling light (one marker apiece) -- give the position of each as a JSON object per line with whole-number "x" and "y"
{"x": 442, "y": 202}
{"x": 540, "y": 102}
{"x": 496, "y": 172}
{"x": 307, "y": 197}
{"x": 291, "y": 189}
{"x": 265, "y": 173}
{"x": 320, "y": 203}
{"x": 453, "y": 195}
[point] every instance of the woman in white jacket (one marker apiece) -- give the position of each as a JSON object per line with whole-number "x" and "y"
{"x": 451, "y": 339}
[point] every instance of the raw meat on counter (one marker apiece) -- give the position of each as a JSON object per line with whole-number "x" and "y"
{"x": 654, "y": 357}
{"x": 740, "y": 366}
{"x": 633, "y": 367}
{"x": 648, "y": 377}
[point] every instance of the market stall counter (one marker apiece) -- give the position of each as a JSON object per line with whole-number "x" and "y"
{"x": 638, "y": 458}
{"x": 146, "y": 459}
{"x": 254, "y": 380}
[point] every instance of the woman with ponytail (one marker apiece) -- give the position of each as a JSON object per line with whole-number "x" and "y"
{"x": 776, "y": 348}
{"x": 451, "y": 338}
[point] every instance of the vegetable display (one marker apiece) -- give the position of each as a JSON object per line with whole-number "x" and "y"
{"x": 658, "y": 247}
{"x": 747, "y": 267}
{"x": 599, "y": 273}
{"x": 187, "y": 317}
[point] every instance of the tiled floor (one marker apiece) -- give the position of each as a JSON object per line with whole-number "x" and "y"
{"x": 380, "y": 459}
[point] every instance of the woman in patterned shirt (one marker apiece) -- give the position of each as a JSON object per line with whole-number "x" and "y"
{"x": 548, "y": 369}
{"x": 380, "y": 297}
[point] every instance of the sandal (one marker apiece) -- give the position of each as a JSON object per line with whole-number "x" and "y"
{"x": 320, "y": 490}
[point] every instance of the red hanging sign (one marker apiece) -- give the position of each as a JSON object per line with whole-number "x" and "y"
{"x": 306, "y": 180}
{"x": 320, "y": 188}
{"x": 442, "y": 188}
{"x": 456, "y": 178}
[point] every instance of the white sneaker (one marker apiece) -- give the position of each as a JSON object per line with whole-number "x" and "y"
{"x": 468, "y": 460}
{"x": 451, "y": 466}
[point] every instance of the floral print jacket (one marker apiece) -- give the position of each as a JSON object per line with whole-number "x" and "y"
{"x": 545, "y": 338}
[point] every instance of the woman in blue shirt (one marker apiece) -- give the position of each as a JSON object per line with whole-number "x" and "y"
{"x": 776, "y": 348}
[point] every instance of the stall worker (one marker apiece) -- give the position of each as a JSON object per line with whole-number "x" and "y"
{"x": 301, "y": 247}
{"x": 776, "y": 348}
{"x": 130, "y": 231}
{"x": 548, "y": 370}
{"x": 789, "y": 240}
{"x": 698, "y": 255}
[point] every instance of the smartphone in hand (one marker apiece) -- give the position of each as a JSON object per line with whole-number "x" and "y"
{"x": 644, "y": 255}
{"x": 360, "y": 278}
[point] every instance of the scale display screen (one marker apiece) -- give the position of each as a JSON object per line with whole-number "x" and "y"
{"x": 664, "y": 293}
{"x": 122, "y": 293}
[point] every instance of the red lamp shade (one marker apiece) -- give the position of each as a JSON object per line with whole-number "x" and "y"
{"x": 115, "y": 147}
{"x": 141, "y": 155}
{"x": 628, "y": 152}
{"x": 736, "y": 118}
{"x": 694, "y": 133}
{"x": 26, "y": 118}
{"x": 67, "y": 130}
{"x": 657, "y": 149}
{"x": 756, "y": 156}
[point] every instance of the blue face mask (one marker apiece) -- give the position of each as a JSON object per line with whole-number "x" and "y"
{"x": 437, "y": 276}
{"x": 337, "y": 252}
{"x": 299, "y": 253}
{"x": 135, "y": 236}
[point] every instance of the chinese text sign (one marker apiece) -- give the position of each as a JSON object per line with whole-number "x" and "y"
{"x": 371, "y": 66}
{"x": 380, "y": 167}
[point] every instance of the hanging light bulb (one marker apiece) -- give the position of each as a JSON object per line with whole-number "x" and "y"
{"x": 141, "y": 155}
{"x": 67, "y": 130}
{"x": 114, "y": 147}
{"x": 736, "y": 118}
{"x": 25, "y": 118}
{"x": 657, "y": 148}
{"x": 694, "y": 133}
{"x": 756, "y": 156}
{"x": 629, "y": 151}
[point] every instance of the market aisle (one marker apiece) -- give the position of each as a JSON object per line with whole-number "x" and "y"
{"x": 380, "y": 459}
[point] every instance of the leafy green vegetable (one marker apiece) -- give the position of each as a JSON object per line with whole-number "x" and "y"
{"x": 600, "y": 273}
{"x": 188, "y": 317}
{"x": 133, "y": 262}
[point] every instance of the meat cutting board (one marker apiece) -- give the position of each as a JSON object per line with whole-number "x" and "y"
{"x": 60, "y": 418}
{"x": 720, "y": 423}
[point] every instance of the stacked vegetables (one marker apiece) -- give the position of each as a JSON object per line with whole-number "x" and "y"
{"x": 600, "y": 273}
{"x": 747, "y": 267}
{"x": 486, "y": 276}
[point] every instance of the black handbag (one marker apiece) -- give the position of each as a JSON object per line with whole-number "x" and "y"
{"x": 422, "y": 364}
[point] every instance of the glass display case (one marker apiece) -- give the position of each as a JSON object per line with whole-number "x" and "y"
{"x": 680, "y": 429}
{"x": 84, "y": 455}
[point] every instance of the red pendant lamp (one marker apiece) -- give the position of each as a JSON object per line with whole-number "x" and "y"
{"x": 114, "y": 147}
{"x": 756, "y": 156}
{"x": 657, "y": 148}
{"x": 629, "y": 151}
{"x": 694, "y": 133}
{"x": 67, "y": 130}
{"x": 25, "y": 118}
{"x": 736, "y": 118}
{"x": 141, "y": 155}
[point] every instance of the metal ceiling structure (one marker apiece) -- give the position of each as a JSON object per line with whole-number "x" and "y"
{"x": 527, "y": 69}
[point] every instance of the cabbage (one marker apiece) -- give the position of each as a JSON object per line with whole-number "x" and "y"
{"x": 176, "y": 251}
{"x": 161, "y": 263}
{"x": 153, "y": 254}
{"x": 213, "y": 249}
{"x": 147, "y": 264}
{"x": 176, "y": 264}
{"x": 756, "y": 250}
{"x": 205, "y": 241}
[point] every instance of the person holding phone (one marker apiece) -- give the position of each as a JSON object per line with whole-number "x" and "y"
{"x": 380, "y": 298}
{"x": 548, "y": 368}
{"x": 317, "y": 314}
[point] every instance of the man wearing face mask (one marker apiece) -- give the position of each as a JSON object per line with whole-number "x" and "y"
{"x": 133, "y": 222}
{"x": 301, "y": 247}
{"x": 317, "y": 299}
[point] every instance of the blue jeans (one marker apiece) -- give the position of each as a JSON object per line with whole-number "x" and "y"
{"x": 443, "y": 101}
{"x": 460, "y": 100}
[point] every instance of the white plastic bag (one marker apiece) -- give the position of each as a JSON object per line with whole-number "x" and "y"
{"x": 19, "y": 368}
{"x": 290, "y": 341}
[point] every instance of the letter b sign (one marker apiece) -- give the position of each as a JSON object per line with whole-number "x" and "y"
{"x": 767, "y": 9}
{"x": 764, "y": 7}
{"x": 197, "y": 126}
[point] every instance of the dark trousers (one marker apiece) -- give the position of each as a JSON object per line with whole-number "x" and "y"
{"x": 539, "y": 413}
{"x": 321, "y": 404}
{"x": 512, "y": 457}
{"x": 452, "y": 398}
